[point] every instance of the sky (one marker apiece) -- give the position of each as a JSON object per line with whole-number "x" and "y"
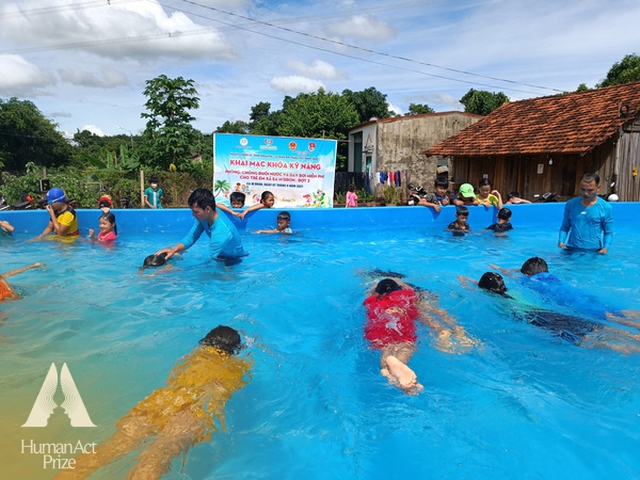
{"x": 84, "y": 63}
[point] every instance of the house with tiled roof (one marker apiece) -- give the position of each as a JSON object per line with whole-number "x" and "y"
{"x": 546, "y": 144}
{"x": 396, "y": 144}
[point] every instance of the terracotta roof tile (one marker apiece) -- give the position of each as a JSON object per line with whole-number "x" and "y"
{"x": 569, "y": 123}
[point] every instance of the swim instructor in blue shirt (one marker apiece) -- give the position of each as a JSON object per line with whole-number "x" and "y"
{"x": 588, "y": 219}
{"x": 224, "y": 239}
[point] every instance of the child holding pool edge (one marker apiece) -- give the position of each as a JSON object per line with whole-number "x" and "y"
{"x": 267, "y": 200}
{"x": 236, "y": 200}
{"x": 108, "y": 228}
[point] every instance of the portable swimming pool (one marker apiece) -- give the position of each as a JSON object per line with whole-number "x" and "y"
{"x": 523, "y": 405}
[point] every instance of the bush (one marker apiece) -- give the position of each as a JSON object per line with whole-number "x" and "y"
{"x": 86, "y": 185}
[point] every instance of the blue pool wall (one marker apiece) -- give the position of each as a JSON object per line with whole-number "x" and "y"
{"x": 179, "y": 220}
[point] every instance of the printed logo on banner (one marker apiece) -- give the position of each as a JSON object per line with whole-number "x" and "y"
{"x": 312, "y": 146}
{"x": 244, "y": 142}
{"x": 293, "y": 146}
{"x": 73, "y": 405}
{"x": 268, "y": 141}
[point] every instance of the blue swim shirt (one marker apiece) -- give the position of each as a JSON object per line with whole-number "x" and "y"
{"x": 224, "y": 239}
{"x": 587, "y": 228}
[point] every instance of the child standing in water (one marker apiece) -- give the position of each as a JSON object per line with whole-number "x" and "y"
{"x": 460, "y": 225}
{"x": 392, "y": 311}
{"x": 170, "y": 420}
{"x": 108, "y": 228}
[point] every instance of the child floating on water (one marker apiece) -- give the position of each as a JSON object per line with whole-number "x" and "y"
{"x": 170, "y": 420}
{"x": 576, "y": 330}
{"x": 392, "y": 310}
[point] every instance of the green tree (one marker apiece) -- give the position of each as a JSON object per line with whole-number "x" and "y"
{"x": 418, "y": 108}
{"x": 238, "y": 127}
{"x": 625, "y": 71}
{"x": 482, "y": 102}
{"x": 369, "y": 103}
{"x": 263, "y": 121}
{"x": 582, "y": 88}
{"x": 168, "y": 138}
{"x": 27, "y": 136}
{"x": 318, "y": 115}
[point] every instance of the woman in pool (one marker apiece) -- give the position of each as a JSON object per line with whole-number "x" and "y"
{"x": 578, "y": 331}
{"x": 392, "y": 310}
{"x": 173, "y": 418}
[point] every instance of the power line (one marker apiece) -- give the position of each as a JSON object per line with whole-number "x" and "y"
{"x": 366, "y": 50}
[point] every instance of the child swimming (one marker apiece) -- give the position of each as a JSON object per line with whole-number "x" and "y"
{"x": 171, "y": 419}
{"x": 392, "y": 310}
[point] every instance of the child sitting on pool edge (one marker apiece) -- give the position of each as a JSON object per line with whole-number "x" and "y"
{"x": 284, "y": 220}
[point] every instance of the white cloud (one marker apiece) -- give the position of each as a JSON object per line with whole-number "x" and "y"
{"x": 317, "y": 69}
{"x": 105, "y": 79}
{"x": 21, "y": 77}
{"x": 119, "y": 30}
{"x": 437, "y": 101}
{"x": 294, "y": 84}
{"x": 363, "y": 26}
{"x": 395, "y": 109}
{"x": 93, "y": 129}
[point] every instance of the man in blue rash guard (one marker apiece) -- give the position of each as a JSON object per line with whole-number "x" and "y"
{"x": 224, "y": 240}
{"x": 588, "y": 219}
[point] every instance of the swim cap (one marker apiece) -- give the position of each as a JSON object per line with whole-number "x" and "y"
{"x": 466, "y": 190}
{"x": 56, "y": 195}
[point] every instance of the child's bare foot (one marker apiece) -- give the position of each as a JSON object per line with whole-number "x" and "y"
{"x": 401, "y": 375}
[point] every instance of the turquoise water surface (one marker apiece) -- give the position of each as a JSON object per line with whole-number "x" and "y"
{"x": 524, "y": 404}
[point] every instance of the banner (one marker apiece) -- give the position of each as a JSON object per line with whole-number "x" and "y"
{"x": 298, "y": 171}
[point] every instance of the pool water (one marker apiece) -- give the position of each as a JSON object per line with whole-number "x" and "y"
{"x": 524, "y": 404}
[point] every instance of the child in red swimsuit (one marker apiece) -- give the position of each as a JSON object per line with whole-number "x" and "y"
{"x": 392, "y": 311}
